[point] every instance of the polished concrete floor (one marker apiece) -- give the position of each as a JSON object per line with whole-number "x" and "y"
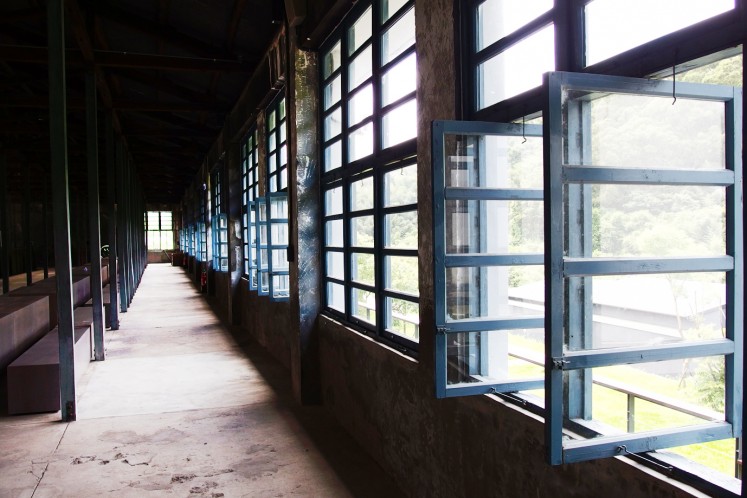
{"x": 180, "y": 408}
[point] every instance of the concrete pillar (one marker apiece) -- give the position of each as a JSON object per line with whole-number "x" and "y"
{"x": 58, "y": 139}
{"x": 305, "y": 212}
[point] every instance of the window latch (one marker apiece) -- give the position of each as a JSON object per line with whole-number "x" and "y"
{"x": 442, "y": 330}
{"x": 559, "y": 363}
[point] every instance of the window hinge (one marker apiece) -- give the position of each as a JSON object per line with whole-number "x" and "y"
{"x": 442, "y": 330}
{"x": 559, "y": 363}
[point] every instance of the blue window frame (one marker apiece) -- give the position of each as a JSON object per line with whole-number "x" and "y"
{"x": 250, "y": 192}
{"x": 263, "y": 243}
{"x": 219, "y": 221}
{"x": 277, "y": 145}
{"x": 369, "y": 178}
{"x": 487, "y": 197}
{"x": 619, "y": 307}
{"x": 577, "y": 172}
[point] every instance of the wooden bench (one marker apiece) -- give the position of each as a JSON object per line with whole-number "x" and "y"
{"x": 34, "y": 377}
{"x": 23, "y": 321}
{"x": 48, "y": 287}
{"x": 85, "y": 270}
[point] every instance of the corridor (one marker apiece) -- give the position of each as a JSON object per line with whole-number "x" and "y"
{"x": 180, "y": 408}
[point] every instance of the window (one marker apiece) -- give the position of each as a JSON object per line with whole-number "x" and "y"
{"x": 219, "y": 226}
{"x": 369, "y": 179}
{"x": 160, "y": 231}
{"x": 489, "y": 219}
{"x": 613, "y": 27}
{"x": 641, "y": 343}
{"x": 250, "y": 193}
{"x": 616, "y": 208}
{"x": 512, "y": 47}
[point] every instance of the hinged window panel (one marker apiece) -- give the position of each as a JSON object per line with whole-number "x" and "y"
{"x": 644, "y": 262}
{"x": 488, "y": 236}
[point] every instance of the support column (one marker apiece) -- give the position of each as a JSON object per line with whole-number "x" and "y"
{"x": 305, "y": 245}
{"x": 28, "y": 253}
{"x": 4, "y": 230}
{"x": 111, "y": 193}
{"x": 58, "y": 140}
{"x": 94, "y": 223}
{"x": 45, "y": 226}
{"x": 122, "y": 251}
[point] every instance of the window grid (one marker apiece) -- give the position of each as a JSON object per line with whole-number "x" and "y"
{"x": 277, "y": 146}
{"x": 349, "y": 159}
{"x": 250, "y": 192}
{"x": 159, "y": 229}
{"x": 219, "y": 226}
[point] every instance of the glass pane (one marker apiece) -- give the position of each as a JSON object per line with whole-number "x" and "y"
{"x": 403, "y": 318}
{"x": 360, "y": 106}
{"x": 401, "y": 230}
{"x": 281, "y": 110}
{"x": 498, "y": 18}
{"x": 643, "y": 221}
{"x": 279, "y": 234}
{"x": 271, "y": 163}
{"x": 333, "y": 233}
{"x": 364, "y": 305}
{"x": 362, "y": 268}
{"x": 399, "y": 37}
{"x": 390, "y": 7}
{"x": 336, "y": 265}
{"x": 636, "y": 131}
{"x": 282, "y": 132}
{"x": 360, "y": 142}
{"x": 494, "y": 227}
{"x": 279, "y": 260}
{"x": 402, "y": 274}
{"x": 360, "y": 31}
{"x": 613, "y": 27}
{"x": 271, "y": 120}
{"x": 493, "y": 356}
{"x": 333, "y": 124}
{"x": 153, "y": 220}
{"x": 400, "y": 124}
{"x": 332, "y": 60}
{"x": 280, "y": 285}
{"x": 642, "y": 310}
{"x": 359, "y": 69}
{"x": 333, "y": 156}
{"x": 333, "y": 201}
{"x": 493, "y": 161}
{"x": 494, "y": 292}
{"x": 676, "y": 386}
{"x": 518, "y": 69}
{"x": 336, "y": 296}
{"x": 283, "y": 155}
{"x": 361, "y": 194}
{"x": 401, "y": 186}
{"x": 399, "y": 80}
{"x": 362, "y": 231}
{"x": 278, "y": 208}
{"x": 271, "y": 142}
{"x": 332, "y": 92}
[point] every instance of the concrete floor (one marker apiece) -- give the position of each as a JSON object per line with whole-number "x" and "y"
{"x": 179, "y": 408}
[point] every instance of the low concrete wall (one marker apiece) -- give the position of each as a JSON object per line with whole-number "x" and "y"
{"x": 458, "y": 447}
{"x": 267, "y": 322}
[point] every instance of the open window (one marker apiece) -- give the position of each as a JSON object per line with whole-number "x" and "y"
{"x": 644, "y": 260}
{"x": 602, "y": 252}
{"x": 487, "y": 192}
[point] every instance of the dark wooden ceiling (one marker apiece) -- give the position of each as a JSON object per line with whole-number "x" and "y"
{"x": 169, "y": 70}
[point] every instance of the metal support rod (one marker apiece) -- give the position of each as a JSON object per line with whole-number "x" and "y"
{"x": 28, "y": 253}
{"x": 58, "y": 142}
{"x": 4, "y": 231}
{"x": 631, "y": 413}
{"x": 94, "y": 224}
{"x": 121, "y": 229}
{"x": 111, "y": 194}
{"x": 45, "y": 226}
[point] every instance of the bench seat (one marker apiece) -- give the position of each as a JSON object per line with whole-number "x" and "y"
{"x": 23, "y": 321}
{"x": 34, "y": 377}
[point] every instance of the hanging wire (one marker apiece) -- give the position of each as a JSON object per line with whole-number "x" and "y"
{"x": 523, "y": 129}
{"x": 674, "y": 81}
